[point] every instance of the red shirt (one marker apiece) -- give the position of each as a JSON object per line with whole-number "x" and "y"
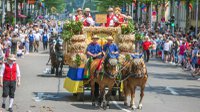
{"x": 146, "y": 45}
{"x": 120, "y": 19}
{"x": 10, "y": 74}
{"x": 182, "y": 50}
{"x": 109, "y": 18}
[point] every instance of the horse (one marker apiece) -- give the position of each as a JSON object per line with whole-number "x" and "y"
{"x": 105, "y": 77}
{"x": 57, "y": 57}
{"x": 135, "y": 75}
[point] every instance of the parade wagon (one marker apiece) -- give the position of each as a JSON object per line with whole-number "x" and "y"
{"x": 75, "y": 56}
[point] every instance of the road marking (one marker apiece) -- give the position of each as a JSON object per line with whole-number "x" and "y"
{"x": 172, "y": 91}
{"x": 116, "y": 104}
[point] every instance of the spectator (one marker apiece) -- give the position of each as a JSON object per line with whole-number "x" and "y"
{"x": 45, "y": 40}
{"x": 182, "y": 49}
{"x": 26, "y": 40}
{"x": 166, "y": 48}
{"x": 31, "y": 41}
{"x": 146, "y": 45}
{"x": 37, "y": 40}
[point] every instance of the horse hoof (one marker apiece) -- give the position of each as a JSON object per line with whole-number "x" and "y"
{"x": 94, "y": 104}
{"x": 133, "y": 107}
{"x": 125, "y": 104}
{"x": 104, "y": 106}
{"x": 140, "y": 107}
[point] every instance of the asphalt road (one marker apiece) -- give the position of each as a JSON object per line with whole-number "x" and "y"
{"x": 169, "y": 89}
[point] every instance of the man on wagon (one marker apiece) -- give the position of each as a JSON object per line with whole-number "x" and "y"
{"x": 94, "y": 50}
{"x": 110, "y": 49}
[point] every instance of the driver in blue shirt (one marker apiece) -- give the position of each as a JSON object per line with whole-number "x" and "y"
{"x": 110, "y": 49}
{"x": 94, "y": 50}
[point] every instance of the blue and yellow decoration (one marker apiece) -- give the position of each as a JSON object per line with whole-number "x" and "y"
{"x": 74, "y": 80}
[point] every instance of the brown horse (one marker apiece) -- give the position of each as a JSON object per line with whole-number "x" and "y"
{"x": 135, "y": 75}
{"x": 105, "y": 77}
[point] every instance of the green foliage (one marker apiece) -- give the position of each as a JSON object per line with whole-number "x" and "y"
{"x": 71, "y": 28}
{"x": 138, "y": 37}
{"x": 78, "y": 60}
{"x": 127, "y": 29}
{"x": 10, "y": 19}
{"x": 60, "y": 5}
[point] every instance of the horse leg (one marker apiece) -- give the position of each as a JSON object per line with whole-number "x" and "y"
{"x": 57, "y": 74}
{"x": 102, "y": 98}
{"x": 133, "y": 107}
{"x": 61, "y": 67}
{"x": 125, "y": 93}
{"x": 92, "y": 84}
{"x": 110, "y": 88}
{"x": 141, "y": 97}
{"x": 52, "y": 70}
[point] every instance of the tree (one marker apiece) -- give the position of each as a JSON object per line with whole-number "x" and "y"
{"x": 60, "y": 5}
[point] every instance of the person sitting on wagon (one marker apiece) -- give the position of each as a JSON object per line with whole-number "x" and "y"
{"x": 111, "y": 18}
{"x": 79, "y": 16}
{"x": 88, "y": 18}
{"x": 94, "y": 50}
{"x": 120, "y": 17}
{"x": 110, "y": 49}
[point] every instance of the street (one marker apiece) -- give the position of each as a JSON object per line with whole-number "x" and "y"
{"x": 169, "y": 89}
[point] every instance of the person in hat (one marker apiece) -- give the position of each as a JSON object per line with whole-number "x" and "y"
{"x": 9, "y": 78}
{"x": 111, "y": 18}
{"x": 111, "y": 49}
{"x": 121, "y": 17}
{"x": 94, "y": 50}
{"x": 79, "y": 16}
{"x": 88, "y": 18}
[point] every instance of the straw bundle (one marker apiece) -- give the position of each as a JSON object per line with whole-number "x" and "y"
{"x": 127, "y": 38}
{"x": 71, "y": 60}
{"x": 78, "y": 38}
{"x": 77, "y": 47}
{"x": 125, "y": 47}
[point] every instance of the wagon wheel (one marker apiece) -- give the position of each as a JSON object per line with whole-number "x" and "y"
{"x": 80, "y": 96}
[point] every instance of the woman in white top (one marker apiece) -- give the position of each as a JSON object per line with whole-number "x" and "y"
{"x": 166, "y": 48}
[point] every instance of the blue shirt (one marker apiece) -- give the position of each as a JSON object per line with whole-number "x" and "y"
{"x": 109, "y": 49}
{"x": 45, "y": 38}
{"x": 31, "y": 37}
{"x": 94, "y": 49}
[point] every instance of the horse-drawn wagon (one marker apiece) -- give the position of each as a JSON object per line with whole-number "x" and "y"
{"x": 76, "y": 81}
{"x": 129, "y": 67}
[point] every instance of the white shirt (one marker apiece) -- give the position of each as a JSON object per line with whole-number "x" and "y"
{"x": 3, "y": 70}
{"x": 90, "y": 21}
{"x": 37, "y": 36}
{"x": 166, "y": 46}
{"x": 112, "y": 22}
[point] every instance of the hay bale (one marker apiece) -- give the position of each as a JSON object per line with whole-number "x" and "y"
{"x": 125, "y": 47}
{"x": 127, "y": 38}
{"x": 77, "y": 47}
{"x": 70, "y": 59}
{"x": 78, "y": 38}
